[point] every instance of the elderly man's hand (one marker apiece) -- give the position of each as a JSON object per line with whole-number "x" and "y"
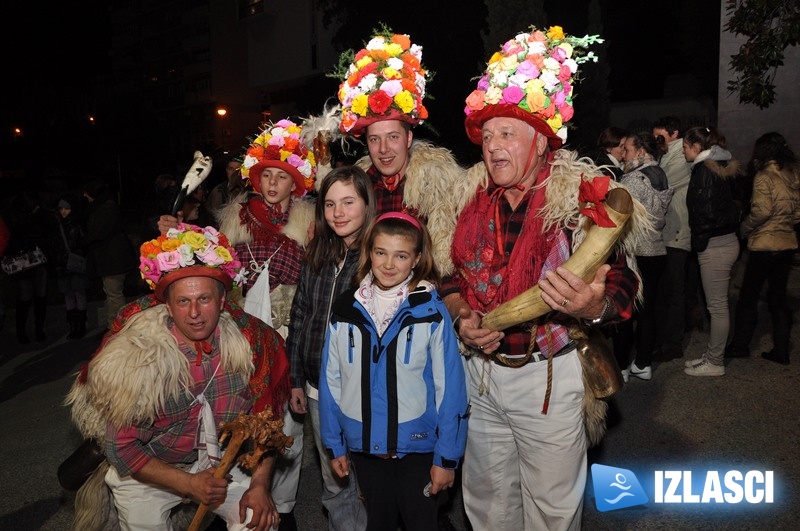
{"x": 473, "y": 334}
{"x": 567, "y": 293}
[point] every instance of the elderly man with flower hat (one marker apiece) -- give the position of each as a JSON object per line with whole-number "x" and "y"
{"x": 525, "y": 462}
{"x": 381, "y": 95}
{"x": 173, "y": 367}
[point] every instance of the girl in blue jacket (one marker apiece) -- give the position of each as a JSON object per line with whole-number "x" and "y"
{"x": 392, "y": 390}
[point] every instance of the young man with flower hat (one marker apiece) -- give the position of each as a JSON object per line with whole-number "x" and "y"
{"x": 268, "y": 227}
{"x": 381, "y": 94}
{"x": 173, "y": 367}
{"x": 525, "y": 462}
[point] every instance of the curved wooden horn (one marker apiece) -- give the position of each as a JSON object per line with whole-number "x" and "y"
{"x": 585, "y": 262}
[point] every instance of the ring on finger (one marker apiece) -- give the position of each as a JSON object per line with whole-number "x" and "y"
{"x": 565, "y": 302}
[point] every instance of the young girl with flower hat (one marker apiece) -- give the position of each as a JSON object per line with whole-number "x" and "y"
{"x": 344, "y": 208}
{"x": 393, "y": 393}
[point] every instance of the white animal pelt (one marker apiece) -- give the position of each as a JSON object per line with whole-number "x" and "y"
{"x": 141, "y": 368}
{"x": 301, "y": 218}
{"x": 434, "y": 183}
{"x": 562, "y": 208}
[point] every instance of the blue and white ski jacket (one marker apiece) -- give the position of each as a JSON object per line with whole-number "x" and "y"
{"x": 402, "y": 393}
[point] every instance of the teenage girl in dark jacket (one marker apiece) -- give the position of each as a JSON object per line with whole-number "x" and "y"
{"x": 713, "y": 220}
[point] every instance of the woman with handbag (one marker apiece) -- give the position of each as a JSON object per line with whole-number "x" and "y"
{"x": 71, "y": 267}
{"x": 31, "y": 227}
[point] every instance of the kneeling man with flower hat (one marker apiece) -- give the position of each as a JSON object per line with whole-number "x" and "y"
{"x": 174, "y": 366}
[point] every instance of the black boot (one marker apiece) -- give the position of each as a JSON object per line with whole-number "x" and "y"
{"x": 39, "y": 312}
{"x": 288, "y": 523}
{"x": 80, "y": 324}
{"x": 22, "y": 320}
{"x": 781, "y": 335}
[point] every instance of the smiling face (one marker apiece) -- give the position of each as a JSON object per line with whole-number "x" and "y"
{"x": 345, "y": 210}
{"x": 277, "y": 187}
{"x": 388, "y": 142}
{"x": 507, "y": 144}
{"x": 392, "y": 257}
{"x": 195, "y": 304}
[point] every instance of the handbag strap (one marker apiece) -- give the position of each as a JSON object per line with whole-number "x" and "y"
{"x": 64, "y": 237}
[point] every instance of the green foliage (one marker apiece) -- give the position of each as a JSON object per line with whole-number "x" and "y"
{"x": 770, "y": 26}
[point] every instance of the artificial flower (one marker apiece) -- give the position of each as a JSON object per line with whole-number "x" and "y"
{"x": 184, "y": 246}
{"x": 281, "y": 142}
{"x": 374, "y": 78}
{"x": 540, "y": 64}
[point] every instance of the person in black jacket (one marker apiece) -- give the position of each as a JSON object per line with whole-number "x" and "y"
{"x": 111, "y": 255}
{"x": 713, "y": 220}
{"x": 71, "y": 238}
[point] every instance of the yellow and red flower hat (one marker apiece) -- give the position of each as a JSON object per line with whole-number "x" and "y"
{"x": 385, "y": 80}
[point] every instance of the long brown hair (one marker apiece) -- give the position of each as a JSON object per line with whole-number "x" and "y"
{"x": 327, "y": 245}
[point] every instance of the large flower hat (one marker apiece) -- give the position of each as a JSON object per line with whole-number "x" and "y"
{"x": 384, "y": 81}
{"x": 189, "y": 251}
{"x": 531, "y": 78}
{"x": 280, "y": 146}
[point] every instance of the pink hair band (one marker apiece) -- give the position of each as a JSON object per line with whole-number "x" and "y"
{"x": 400, "y": 215}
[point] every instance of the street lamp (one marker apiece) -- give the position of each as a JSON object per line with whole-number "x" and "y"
{"x": 221, "y": 112}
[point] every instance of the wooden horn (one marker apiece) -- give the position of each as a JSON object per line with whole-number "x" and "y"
{"x": 585, "y": 262}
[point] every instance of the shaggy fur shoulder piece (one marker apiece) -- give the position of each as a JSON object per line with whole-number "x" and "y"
{"x": 432, "y": 181}
{"x": 229, "y": 223}
{"x": 431, "y": 177}
{"x": 562, "y": 208}
{"x": 141, "y": 368}
{"x": 300, "y": 217}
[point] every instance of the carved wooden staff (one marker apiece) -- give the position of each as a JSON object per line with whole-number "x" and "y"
{"x": 585, "y": 262}
{"x": 266, "y": 434}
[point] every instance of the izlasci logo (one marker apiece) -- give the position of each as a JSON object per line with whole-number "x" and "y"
{"x": 616, "y": 488}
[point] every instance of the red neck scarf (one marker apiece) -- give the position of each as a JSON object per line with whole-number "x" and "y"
{"x": 478, "y": 247}
{"x": 262, "y": 220}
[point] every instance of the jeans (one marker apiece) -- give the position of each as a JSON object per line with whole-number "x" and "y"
{"x": 346, "y": 510}
{"x": 716, "y": 263}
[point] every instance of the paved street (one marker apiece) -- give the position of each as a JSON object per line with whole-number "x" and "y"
{"x": 746, "y": 420}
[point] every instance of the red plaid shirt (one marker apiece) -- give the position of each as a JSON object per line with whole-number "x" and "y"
{"x": 389, "y": 201}
{"x": 173, "y": 437}
{"x": 284, "y": 254}
{"x": 621, "y": 282}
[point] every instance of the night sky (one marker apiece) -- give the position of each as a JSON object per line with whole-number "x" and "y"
{"x": 50, "y": 91}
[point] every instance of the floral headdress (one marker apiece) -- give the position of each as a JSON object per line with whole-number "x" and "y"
{"x": 188, "y": 251}
{"x": 531, "y": 77}
{"x": 384, "y": 81}
{"x": 280, "y": 146}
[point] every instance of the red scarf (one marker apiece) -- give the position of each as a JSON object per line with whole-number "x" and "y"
{"x": 488, "y": 280}
{"x": 263, "y": 221}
